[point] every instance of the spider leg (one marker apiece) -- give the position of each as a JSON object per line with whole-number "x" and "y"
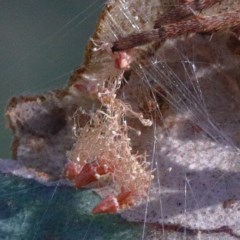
{"x": 197, "y": 24}
{"x": 183, "y": 10}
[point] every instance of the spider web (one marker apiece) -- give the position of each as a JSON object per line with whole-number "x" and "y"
{"x": 193, "y": 145}
{"x": 195, "y": 148}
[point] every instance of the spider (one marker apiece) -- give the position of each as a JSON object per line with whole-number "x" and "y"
{"x": 180, "y": 20}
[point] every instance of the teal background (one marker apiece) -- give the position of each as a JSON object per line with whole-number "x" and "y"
{"x": 31, "y": 211}
{"x": 41, "y": 43}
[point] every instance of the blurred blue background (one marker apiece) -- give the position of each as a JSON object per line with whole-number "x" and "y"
{"x": 41, "y": 43}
